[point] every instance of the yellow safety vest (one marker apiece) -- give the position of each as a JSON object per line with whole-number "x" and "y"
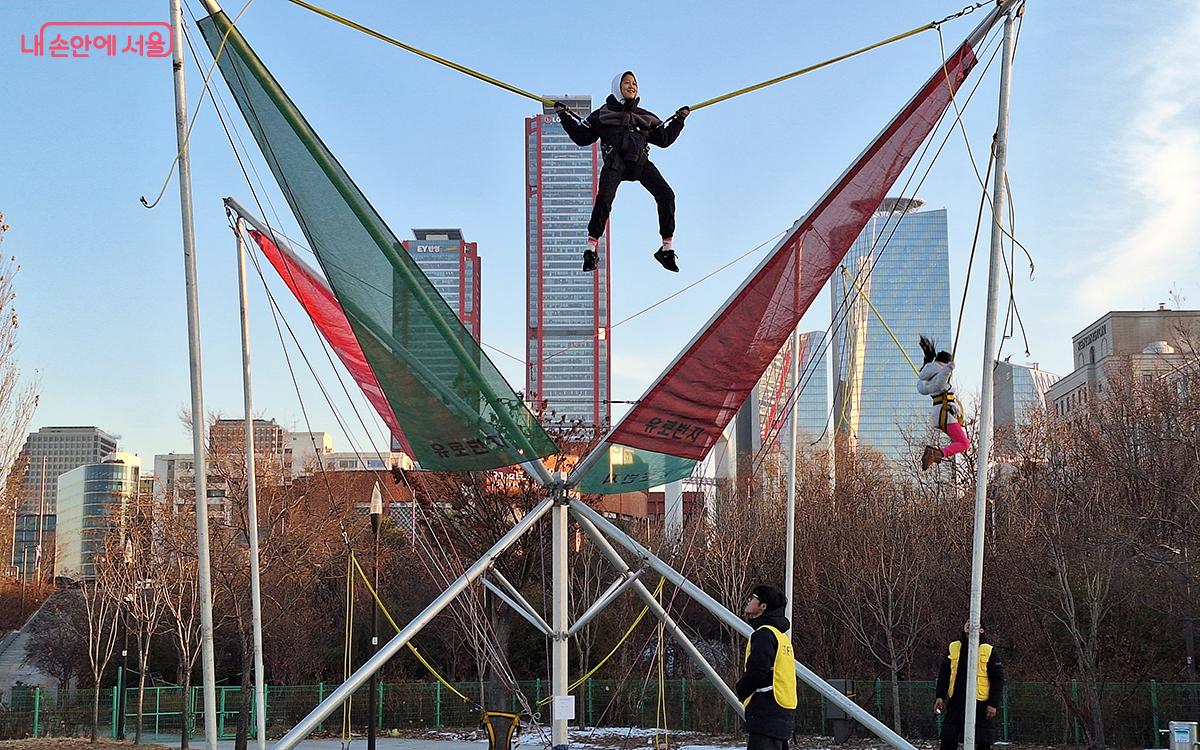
{"x": 983, "y": 686}
{"x": 783, "y": 683}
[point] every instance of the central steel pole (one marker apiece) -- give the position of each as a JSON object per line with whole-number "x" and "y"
{"x": 199, "y": 461}
{"x": 789, "y": 546}
{"x": 561, "y": 710}
{"x": 989, "y": 364}
{"x": 260, "y": 680}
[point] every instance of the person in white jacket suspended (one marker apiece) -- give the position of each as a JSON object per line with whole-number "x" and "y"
{"x": 934, "y": 381}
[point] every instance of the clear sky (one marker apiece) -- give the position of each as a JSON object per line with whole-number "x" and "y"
{"x": 1104, "y": 165}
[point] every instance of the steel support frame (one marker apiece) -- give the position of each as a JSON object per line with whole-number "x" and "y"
{"x": 831, "y": 694}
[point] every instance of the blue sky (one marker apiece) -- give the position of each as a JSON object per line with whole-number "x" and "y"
{"x": 1104, "y": 164}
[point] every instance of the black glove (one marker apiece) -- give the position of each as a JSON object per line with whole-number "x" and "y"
{"x": 561, "y": 108}
{"x": 683, "y": 112}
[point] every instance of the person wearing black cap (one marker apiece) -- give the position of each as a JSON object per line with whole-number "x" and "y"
{"x": 952, "y": 692}
{"x": 626, "y": 132}
{"x": 768, "y": 687}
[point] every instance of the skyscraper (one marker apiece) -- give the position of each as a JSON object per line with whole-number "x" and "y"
{"x": 812, "y": 409}
{"x": 453, "y": 266}
{"x": 567, "y": 311}
{"x": 93, "y": 499}
{"x": 901, "y": 264}
{"x": 1017, "y": 389}
{"x": 51, "y": 452}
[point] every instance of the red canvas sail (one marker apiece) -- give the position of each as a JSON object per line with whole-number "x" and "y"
{"x": 685, "y": 411}
{"x": 322, "y": 306}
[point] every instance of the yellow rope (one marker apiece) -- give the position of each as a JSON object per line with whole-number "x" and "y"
{"x": 609, "y": 655}
{"x": 867, "y": 297}
{"x": 420, "y": 657}
{"x": 383, "y": 608}
{"x": 810, "y": 68}
{"x": 427, "y": 55}
{"x": 509, "y": 87}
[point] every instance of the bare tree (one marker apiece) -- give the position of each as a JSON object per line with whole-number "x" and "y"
{"x": 102, "y": 598}
{"x": 57, "y": 643}
{"x": 18, "y": 400}
{"x": 177, "y": 577}
{"x": 145, "y": 591}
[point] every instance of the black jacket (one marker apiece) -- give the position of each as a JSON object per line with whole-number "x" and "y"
{"x": 764, "y": 715}
{"x": 625, "y": 131}
{"x": 956, "y": 705}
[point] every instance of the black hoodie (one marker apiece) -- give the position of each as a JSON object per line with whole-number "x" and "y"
{"x": 625, "y": 131}
{"x": 763, "y": 714}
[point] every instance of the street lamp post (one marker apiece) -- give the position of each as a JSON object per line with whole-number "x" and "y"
{"x": 372, "y": 690}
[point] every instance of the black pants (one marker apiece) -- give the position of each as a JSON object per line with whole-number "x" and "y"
{"x": 763, "y": 742}
{"x": 952, "y": 734}
{"x": 610, "y": 179}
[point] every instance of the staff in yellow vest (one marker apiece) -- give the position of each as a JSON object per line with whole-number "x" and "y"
{"x": 768, "y": 687}
{"x": 952, "y": 691}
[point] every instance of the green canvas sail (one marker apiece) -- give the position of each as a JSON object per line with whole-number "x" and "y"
{"x": 457, "y": 410}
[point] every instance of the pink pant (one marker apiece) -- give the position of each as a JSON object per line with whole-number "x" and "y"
{"x": 958, "y": 440}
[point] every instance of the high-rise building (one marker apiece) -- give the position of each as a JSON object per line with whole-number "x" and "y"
{"x": 901, "y": 264}
{"x": 568, "y": 346}
{"x": 1149, "y": 342}
{"x": 307, "y": 450}
{"x": 92, "y": 499}
{"x": 228, "y": 437}
{"x": 453, "y": 266}
{"x": 50, "y": 452}
{"x": 812, "y": 408}
{"x": 1016, "y": 390}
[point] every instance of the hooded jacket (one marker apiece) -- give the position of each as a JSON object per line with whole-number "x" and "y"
{"x": 625, "y": 130}
{"x": 763, "y": 714}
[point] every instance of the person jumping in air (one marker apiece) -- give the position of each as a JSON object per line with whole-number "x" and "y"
{"x": 947, "y": 415}
{"x": 626, "y": 132}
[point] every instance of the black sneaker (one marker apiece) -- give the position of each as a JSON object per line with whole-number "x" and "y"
{"x": 589, "y": 260}
{"x": 666, "y": 259}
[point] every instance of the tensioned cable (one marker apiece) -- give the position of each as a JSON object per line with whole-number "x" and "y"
{"x": 843, "y": 309}
{"x": 496, "y": 659}
{"x": 187, "y": 135}
{"x": 543, "y": 100}
{"x": 276, "y": 313}
{"x": 796, "y": 73}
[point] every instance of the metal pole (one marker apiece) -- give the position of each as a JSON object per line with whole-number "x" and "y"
{"x": 789, "y": 546}
{"x": 123, "y": 672}
{"x": 989, "y": 363}
{"x": 558, "y": 622}
{"x": 608, "y": 597}
{"x": 530, "y": 616}
{"x": 372, "y": 690}
{"x": 668, "y": 622}
{"x": 535, "y": 468}
{"x": 516, "y": 596}
{"x": 203, "y": 565}
{"x": 335, "y": 699}
{"x": 260, "y": 680}
{"x": 41, "y": 523}
{"x": 832, "y": 694}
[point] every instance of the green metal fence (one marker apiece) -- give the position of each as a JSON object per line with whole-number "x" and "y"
{"x": 1031, "y": 712}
